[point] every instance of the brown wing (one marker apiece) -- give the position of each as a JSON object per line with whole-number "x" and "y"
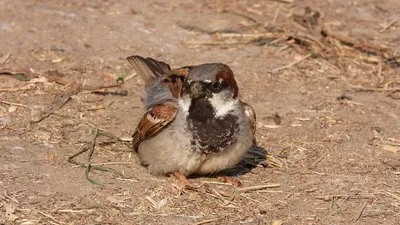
{"x": 174, "y": 80}
{"x": 153, "y": 121}
{"x": 251, "y": 114}
{"x": 148, "y": 69}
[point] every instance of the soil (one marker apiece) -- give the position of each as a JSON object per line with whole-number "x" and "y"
{"x": 339, "y": 146}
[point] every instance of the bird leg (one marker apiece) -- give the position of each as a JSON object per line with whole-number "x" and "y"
{"x": 183, "y": 180}
{"x": 230, "y": 180}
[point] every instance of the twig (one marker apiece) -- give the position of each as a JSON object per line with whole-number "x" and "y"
{"x": 98, "y": 88}
{"x": 73, "y": 211}
{"x": 342, "y": 37}
{"x": 126, "y": 139}
{"x": 19, "y": 75}
{"x": 244, "y": 16}
{"x": 380, "y": 71}
{"x": 276, "y": 15}
{"x": 206, "y": 221}
{"x": 216, "y": 43}
{"x": 15, "y": 89}
{"x": 391, "y": 195}
{"x": 361, "y": 211}
{"x": 91, "y": 150}
{"x": 48, "y": 216}
{"x": 190, "y": 27}
{"x": 291, "y": 64}
{"x": 130, "y": 77}
{"x": 110, "y": 163}
{"x": 90, "y": 166}
{"x": 251, "y": 36}
{"x": 126, "y": 179}
{"x": 268, "y": 191}
{"x": 59, "y": 78}
{"x": 10, "y": 197}
{"x": 164, "y": 214}
{"x": 215, "y": 182}
{"x": 391, "y": 23}
{"x": 103, "y": 132}
{"x": 71, "y": 160}
{"x": 284, "y": 1}
{"x": 258, "y": 187}
{"x": 366, "y": 89}
{"x": 345, "y": 196}
{"x": 4, "y": 58}
{"x": 59, "y": 101}
{"x": 15, "y": 104}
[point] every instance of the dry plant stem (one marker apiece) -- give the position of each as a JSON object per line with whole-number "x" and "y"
{"x": 74, "y": 211}
{"x": 361, "y": 211}
{"x": 284, "y": 1}
{"x": 15, "y": 89}
{"x": 252, "y": 36}
{"x": 10, "y": 197}
{"x": 391, "y": 23}
{"x": 90, "y": 166}
{"x": 15, "y": 104}
{"x": 360, "y": 88}
{"x": 110, "y": 163}
{"x": 4, "y": 58}
{"x": 59, "y": 101}
{"x": 216, "y": 43}
{"x": 49, "y": 216}
{"x": 194, "y": 28}
{"x": 391, "y": 195}
{"x": 244, "y": 16}
{"x": 206, "y": 221}
{"x": 276, "y": 15}
{"x": 258, "y": 187}
{"x": 99, "y": 88}
{"x": 130, "y": 77}
{"x": 350, "y": 41}
{"x": 290, "y": 65}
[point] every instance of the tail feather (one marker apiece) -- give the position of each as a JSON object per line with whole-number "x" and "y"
{"x": 148, "y": 69}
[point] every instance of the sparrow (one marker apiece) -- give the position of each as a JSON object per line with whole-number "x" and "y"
{"x": 194, "y": 123}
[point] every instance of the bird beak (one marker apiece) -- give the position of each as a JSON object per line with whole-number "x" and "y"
{"x": 196, "y": 90}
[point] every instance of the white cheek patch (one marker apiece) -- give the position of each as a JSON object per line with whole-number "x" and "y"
{"x": 221, "y": 106}
{"x": 184, "y": 103}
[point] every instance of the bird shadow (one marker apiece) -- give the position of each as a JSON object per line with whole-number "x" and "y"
{"x": 255, "y": 157}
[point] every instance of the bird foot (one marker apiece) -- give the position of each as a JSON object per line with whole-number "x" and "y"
{"x": 183, "y": 180}
{"x": 230, "y": 180}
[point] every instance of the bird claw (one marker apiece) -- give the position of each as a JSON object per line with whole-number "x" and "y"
{"x": 230, "y": 180}
{"x": 183, "y": 180}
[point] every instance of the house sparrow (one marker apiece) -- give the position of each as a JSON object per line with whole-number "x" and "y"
{"x": 194, "y": 121}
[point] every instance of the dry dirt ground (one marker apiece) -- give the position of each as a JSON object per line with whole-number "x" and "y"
{"x": 338, "y": 144}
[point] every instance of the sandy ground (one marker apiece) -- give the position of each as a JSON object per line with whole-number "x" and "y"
{"x": 338, "y": 144}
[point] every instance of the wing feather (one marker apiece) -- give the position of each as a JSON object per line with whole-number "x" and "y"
{"x": 251, "y": 114}
{"x": 153, "y": 121}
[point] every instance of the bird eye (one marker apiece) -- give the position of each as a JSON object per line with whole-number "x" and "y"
{"x": 217, "y": 86}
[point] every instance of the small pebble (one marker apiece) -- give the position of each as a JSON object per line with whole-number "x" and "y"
{"x": 12, "y": 109}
